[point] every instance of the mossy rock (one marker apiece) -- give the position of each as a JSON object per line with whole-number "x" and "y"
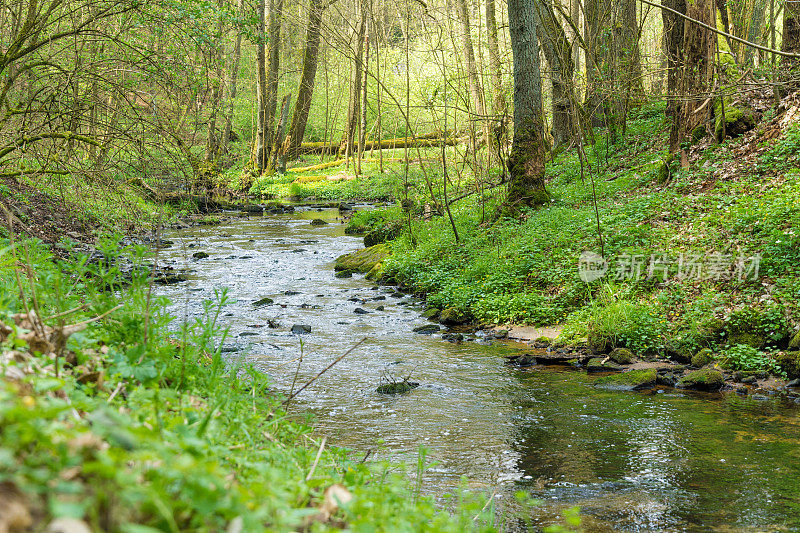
{"x": 397, "y": 387}
{"x": 705, "y": 379}
{"x": 630, "y": 380}
{"x": 383, "y": 233}
{"x": 737, "y": 120}
{"x": 318, "y": 222}
{"x": 749, "y": 338}
{"x": 363, "y": 260}
{"x": 702, "y": 358}
{"x": 209, "y": 221}
{"x": 431, "y": 313}
{"x": 597, "y": 364}
{"x": 375, "y": 272}
{"x": 622, "y": 356}
{"x": 355, "y": 229}
{"x": 451, "y": 316}
{"x": 794, "y": 344}
{"x": 200, "y": 255}
{"x": 263, "y": 301}
{"x": 790, "y": 363}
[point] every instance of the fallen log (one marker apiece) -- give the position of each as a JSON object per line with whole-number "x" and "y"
{"x": 385, "y": 144}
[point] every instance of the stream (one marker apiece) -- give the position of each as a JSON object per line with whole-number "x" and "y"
{"x": 660, "y": 460}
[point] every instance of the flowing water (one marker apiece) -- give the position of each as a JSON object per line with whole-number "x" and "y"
{"x": 633, "y": 461}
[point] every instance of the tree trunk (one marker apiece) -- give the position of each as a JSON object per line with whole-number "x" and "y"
{"x": 306, "y": 90}
{"x": 475, "y": 89}
{"x": 527, "y": 159}
{"x": 558, "y": 53}
{"x": 354, "y": 108}
{"x": 791, "y": 37}
{"x": 213, "y": 140}
{"x": 233, "y": 72}
{"x": 275, "y": 18}
{"x": 498, "y": 99}
{"x": 689, "y": 56}
{"x": 260, "y": 151}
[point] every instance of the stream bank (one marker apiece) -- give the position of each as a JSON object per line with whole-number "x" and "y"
{"x": 659, "y": 459}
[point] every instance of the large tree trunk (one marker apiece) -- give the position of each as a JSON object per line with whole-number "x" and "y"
{"x": 527, "y": 159}
{"x": 630, "y": 56}
{"x": 558, "y": 53}
{"x": 306, "y": 90}
{"x": 791, "y": 37}
{"x": 475, "y": 89}
{"x": 689, "y": 80}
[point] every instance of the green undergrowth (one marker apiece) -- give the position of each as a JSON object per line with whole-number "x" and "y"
{"x": 140, "y": 426}
{"x": 525, "y": 270}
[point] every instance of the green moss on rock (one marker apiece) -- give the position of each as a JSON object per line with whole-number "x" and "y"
{"x": 794, "y": 344}
{"x": 737, "y": 120}
{"x": 622, "y": 356}
{"x": 451, "y": 316}
{"x": 630, "y": 380}
{"x": 702, "y": 358}
{"x": 705, "y": 379}
{"x": 597, "y": 364}
{"x": 363, "y": 260}
{"x": 790, "y": 363}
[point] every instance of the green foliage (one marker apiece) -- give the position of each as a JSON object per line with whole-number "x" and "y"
{"x": 744, "y": 357}
{"x": 627, "y": 324}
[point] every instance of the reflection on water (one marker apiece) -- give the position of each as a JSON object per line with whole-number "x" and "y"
{"x": 658, "y": 461}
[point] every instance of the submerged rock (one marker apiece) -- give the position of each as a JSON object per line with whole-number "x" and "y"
{"x": 397, "y": 387}
{"x": 706, "y": 379}
{"x": 630, "y": 380}
{"x": 299, "y": 329}
{"x": 200, "y": 255}
{"x": 344, "y": 274}
{"x": 318, "y": 222}
{"x": 523, "y": 360}
{"x": 263, "y": 301}
{"x": 360, "y": 311}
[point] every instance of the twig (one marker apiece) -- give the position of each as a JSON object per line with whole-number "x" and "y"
{"x": 345, "y": 354}
{"x": 113, "y": 394}
{"x": 316, "y": 460}
{"x": 95, "y": 319}
{"x": 485, "y": 506}
{"x": 65, "y": 313}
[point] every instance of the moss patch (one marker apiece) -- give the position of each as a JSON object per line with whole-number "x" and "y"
{"x": 705, "y": 379}
{"x": 363, "y": 260}
{"x": 631, "y": 380}
{"x": 622, "y": 356}
{"x": 702, "y": 358}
